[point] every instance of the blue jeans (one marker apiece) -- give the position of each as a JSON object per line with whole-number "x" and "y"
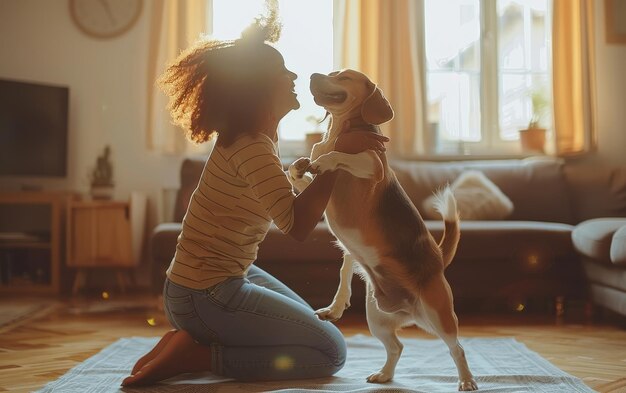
{"x": 257, "y": 329}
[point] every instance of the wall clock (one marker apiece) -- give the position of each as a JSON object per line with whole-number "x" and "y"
{"x": 105, "y": 18}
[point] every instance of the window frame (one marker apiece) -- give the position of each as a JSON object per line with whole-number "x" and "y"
{"x": 491, "y": 144}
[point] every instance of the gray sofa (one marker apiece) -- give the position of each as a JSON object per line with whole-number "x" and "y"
{"x": 599, "y": 197}
{"x": 601, "y": 243}
{"x": 525, "y": 262}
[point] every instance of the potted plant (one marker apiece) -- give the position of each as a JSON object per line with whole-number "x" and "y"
{"x": 101, "y": 176}
{"x": 533, "y": 138}
{"x": 315, "y": 136}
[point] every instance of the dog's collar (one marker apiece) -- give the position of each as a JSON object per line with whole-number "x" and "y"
{"x": 359, "y": 123}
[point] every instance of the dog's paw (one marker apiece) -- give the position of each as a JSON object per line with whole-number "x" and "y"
{"x": 319, "y": 166}
{"x": 467, "y": 386}
{"x": 325, "y": 163}
{"x": 299, "y": 167}
{"x": 298, "y": 177}
{"x": 331, "y": 313}
{"x": 380, "y": 377}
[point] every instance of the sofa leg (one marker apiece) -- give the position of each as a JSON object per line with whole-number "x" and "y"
{"x": 559, "y": 306}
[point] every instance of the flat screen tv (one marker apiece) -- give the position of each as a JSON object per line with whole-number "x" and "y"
{"x": 33, "y": 129}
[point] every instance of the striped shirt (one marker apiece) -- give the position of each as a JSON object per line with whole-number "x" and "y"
{"x": 241, "y": 191}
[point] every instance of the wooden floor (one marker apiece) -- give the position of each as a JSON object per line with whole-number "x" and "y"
{"x": 43, "y": 349}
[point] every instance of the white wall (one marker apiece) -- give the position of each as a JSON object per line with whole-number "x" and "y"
{"x": 611, "y": 88}
{"x": 107, "y": 81}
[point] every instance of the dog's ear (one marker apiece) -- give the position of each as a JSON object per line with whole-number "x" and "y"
{"x": 376, "y": 109}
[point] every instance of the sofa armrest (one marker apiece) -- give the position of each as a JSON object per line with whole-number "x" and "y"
{"x": 164, "y": 239}
{"x": 596, "y": 191}
{"x": 162, "y": 247}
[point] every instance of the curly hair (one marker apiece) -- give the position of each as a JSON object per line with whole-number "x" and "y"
{"x": 221, "y": 87}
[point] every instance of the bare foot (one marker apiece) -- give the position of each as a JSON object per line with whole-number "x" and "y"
{"x": 181, "y": 354}
{"x": 152, "y": 354}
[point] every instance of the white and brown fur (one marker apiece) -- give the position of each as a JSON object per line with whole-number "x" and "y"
{"x": 380, "y": 229}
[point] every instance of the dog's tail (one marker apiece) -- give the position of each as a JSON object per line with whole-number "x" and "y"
{"x": 446, "y": 206}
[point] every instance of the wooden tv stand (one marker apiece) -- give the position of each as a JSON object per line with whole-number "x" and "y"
{"x": 31, "y": 240}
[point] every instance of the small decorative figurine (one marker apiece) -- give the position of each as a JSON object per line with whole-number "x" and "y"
{"x": 102, "y": 176}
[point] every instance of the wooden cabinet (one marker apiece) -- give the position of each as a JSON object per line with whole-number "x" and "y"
{"x": 31, "y": 241}
{"x": 99, "y": 234}
{"x": 104, "y": 234}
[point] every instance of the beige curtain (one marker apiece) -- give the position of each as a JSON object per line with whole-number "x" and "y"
{"x": 175, "y": 24}
{"x": 573, "y": 76}
{"x": 383, "y": 39}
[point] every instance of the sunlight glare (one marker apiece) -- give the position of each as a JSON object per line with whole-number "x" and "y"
{"x": 232, "y": 17}
{"x": 284, "y": 362}
{"x": 306, "y": 43}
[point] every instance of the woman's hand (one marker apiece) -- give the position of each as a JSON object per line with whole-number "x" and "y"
{"x": 353, "y": 142}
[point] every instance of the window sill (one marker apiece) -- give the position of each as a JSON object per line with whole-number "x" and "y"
{"x": 291, "y": 150}
{"x": 471, "y": 157}
{"x": 288, "y": 159}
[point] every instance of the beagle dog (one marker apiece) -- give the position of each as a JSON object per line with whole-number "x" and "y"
{"x": 382, "y": 234}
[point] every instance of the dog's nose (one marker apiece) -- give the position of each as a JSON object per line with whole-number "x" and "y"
{"x": 316, "y": 76}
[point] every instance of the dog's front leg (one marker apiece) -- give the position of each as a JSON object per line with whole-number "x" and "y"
{"x": 341, "y": 301}
{"x": 297, "y": 175}
{"x": 366, "y": 165}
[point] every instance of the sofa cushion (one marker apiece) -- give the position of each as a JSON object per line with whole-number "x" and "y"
{"x": 596, "y": 190}
{"x": 618, "y": 247}
{"x": 477, "y": 198}
{"x": 530, "y": 241}
{"x": 536, "y": 186}
{"x": 523, "y": 240}
{"x": 592, "y": 238}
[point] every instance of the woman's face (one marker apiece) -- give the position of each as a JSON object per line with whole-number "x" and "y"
{"x": 284, "y": 97}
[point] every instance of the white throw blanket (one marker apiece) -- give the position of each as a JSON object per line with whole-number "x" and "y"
{"x": 498, "y": 364}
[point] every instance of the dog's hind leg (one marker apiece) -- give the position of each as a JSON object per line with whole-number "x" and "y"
{"x": 436, "y": 298}
{"x": 383, "y": 326}
{"x": 341, "y": 301}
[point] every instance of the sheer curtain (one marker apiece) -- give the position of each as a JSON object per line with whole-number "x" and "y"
{"x": 573, "y": 76}
{"x": 174, "y": 25}
{"x": 384, "y": 39}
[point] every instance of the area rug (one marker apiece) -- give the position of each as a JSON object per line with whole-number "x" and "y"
{"x": 105, "y": 306}
{"x": 499, "y": 365}
{"x": 14, "y": 314}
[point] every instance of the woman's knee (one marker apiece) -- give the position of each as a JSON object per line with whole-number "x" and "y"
{"x": 336, "y": 349}
{"x": 342, "y": 352}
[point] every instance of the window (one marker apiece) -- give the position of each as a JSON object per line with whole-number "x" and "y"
{"x": 306, "y": 43}
{"x": 480, "y": 80}
{"x": 484, "y": 61}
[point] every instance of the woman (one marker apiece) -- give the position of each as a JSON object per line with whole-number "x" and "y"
{"x": 231, "y": 317}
